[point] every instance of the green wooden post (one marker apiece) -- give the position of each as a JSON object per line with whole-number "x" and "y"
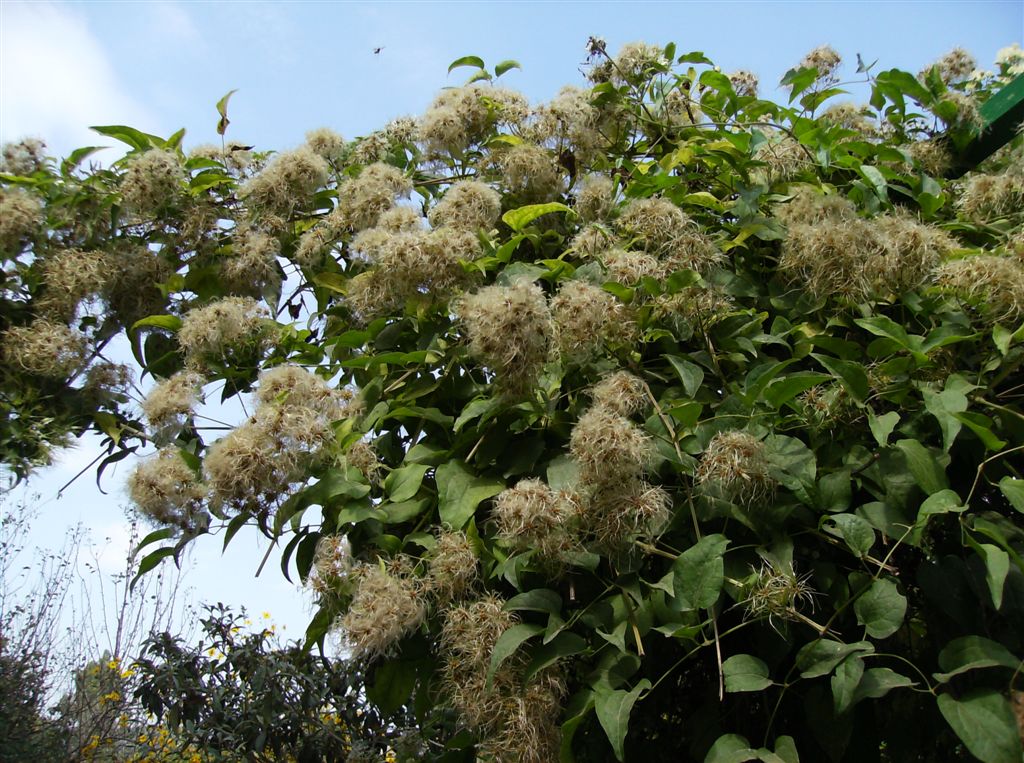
{"x": 1002, "y": 114}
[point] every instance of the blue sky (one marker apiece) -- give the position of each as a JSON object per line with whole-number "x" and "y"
{"x": 159, "y": 66}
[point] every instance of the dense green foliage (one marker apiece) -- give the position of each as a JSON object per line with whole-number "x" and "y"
{"x": 663, "y": 421}
{"x": 238, "y": 695}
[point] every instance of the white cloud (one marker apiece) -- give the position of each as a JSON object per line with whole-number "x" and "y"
{"x": 56, "y": 79}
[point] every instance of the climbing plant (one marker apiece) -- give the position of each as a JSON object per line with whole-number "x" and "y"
{"x": 659, "y": 419}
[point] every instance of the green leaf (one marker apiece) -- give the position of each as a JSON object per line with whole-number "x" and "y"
{"x": 536, "y": 600}
{"x": 985, "y": 723}
{"x": 878, "y": 682}
{"x": 981, "y": 425}
{"x": 730, "y": 748}
{"x": 135, "y": 138}
{"x": 169, "y": 322}
{"x": 222, "y": 109}
{"x": 698, "y": 573}
{"x": 508, "y": 643}
{"x": 928, "y": 473}
{"x": 851, "y": 374}
{"x": 819, "y": 658}
{"x": 505, "y": 66}
{"x": 474, "y": 61}
{"x": 881, "y": 608}
{"x": 393, "y": 682}
{"x": 1013, "y": 490}
{"x": 150, "y": 561}
{"x": 475, "y": 409}
{"x": 565, "y": 644}
{"x": 973, "y": 652}
{"x": 563, "y": 472}
{"x": 785, "y": 389}
{"x": 402, "y": 484}
{"x": 835, "y": 491}
{"x": 460, "y": 492}
{"x": 997, "y": 567}
{"x": 944, "y": 406}
{"x": 396, "y": 513}
{"x": 858, "y": 534}
{"x": 744, "y": 672}
{"x": 882, "y": 426}
{"x": 517, "y": 219}
{"x": 690, "y": 374}
{"x": 844, "y": 683}
{"x": 613, "y": 708}
{"x": 942, "y": 502}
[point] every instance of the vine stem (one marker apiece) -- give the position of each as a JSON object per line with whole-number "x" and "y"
{"x": 981, "y": 468}
{"x": 675, "y": 444}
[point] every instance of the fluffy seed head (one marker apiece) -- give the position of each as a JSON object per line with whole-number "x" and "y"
{"x": 991, "y": 284}
{"x": 778, "y": 593}
{"x": 697, "y": 305}
{"x": 468, "y": 204}
{"x": 363, "y": 456}
{"x": 620, "y": 392}
{"x": 104, "y": 381}
{"x": 825, "y": 59}
{"x": 988, "y": 197}
{"x": 509, "y": 330}
{"x": 25, "y": 157}
{"x": 618, "y": 512}
{"x": 956, "y": 66}
{"x": 255, "y": 465}
{"x": 825, "y": 406}
{"x": 172, "y": 401}
{"x": 609, "y": 447}
{"x": 332, "y": 566}
{"x": 410, "y": 268}
{"x": 858, "y": 259}
{"x": 736, "y": 464}
{"x": 653, "y": 223}
{"x": 291, "y": 386}
{"x": 679, "y": 109}
{"x": 152, "y": 180}
{"x": 532, "y": 516}
{"x": 587, "y": 318}
{"x": 167, "y": 491}
{"x": 229, "y": 324}
{"x": 635, "y": 60}
{"x": 849, "y": 116}
{"x": 531, "y": 173}
{"x": 567, "y": 120}
{"x": 385, "y": 608}
{"x": 70, "y": 277}
{"x": 453, "y": 567}
{"x": 471, "y": 630}
{"x": 326, "y": 143}
{"x": 402, "y": 131}
{"x": 288, "y": 181}
{"x": 783, "y": 158}
{"x": 744, "y": 83}
{"x": 595, "y": 200}
{"x": 592, "y": 241}
{"x": 21, "y": 216}
{"x": 629, "y": 267}
{"x": 131, "y": 289}
{"x": 931, "y": 156}
{"x": 253, "y": 266}
{"x": 463, "y": 116}
{"x": 45, "y": 348}
{"x": 362, "y": 201}
{"x": 809, "y": 206}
